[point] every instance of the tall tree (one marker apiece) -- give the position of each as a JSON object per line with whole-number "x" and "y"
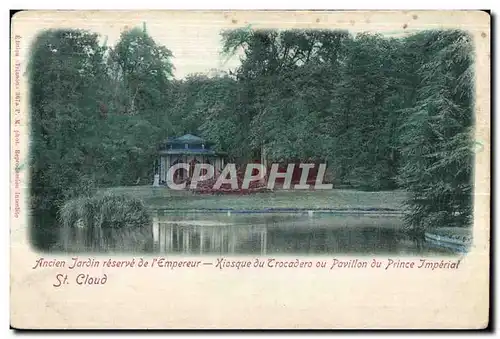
{"x": 145, "y": 70}
{"x": 436, "y": 136}
{"x": 142, "y": 72}
{"x": 67, "y": 85}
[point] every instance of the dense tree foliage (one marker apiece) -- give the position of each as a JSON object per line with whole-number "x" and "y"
{"x": 436, "y": 133}
{"x": 67, "y": 88}
{"x": 383, "y": 112}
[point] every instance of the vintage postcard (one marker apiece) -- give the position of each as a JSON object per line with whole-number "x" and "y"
{"x": 250, "y": 169}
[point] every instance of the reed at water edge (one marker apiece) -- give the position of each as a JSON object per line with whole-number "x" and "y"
{"x": 105, "y": 223}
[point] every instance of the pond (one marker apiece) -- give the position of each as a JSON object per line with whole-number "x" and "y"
{"x": 256, "y": 233}
{"x": 284, "y": 233}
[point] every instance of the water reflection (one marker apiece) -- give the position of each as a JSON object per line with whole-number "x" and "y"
{"x": 286, "y": 233}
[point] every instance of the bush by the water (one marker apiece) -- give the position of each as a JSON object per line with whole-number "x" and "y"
{"x": 105, "y": 223}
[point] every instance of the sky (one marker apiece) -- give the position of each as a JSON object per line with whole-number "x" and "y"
{"x": 195, "y": 41}
{"x": 194, "y": 36}
{"x": 195, "y": 48}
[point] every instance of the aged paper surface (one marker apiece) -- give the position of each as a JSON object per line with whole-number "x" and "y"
{"x": 223, "y": 285}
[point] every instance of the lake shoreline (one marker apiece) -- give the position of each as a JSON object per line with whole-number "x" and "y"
{"x": 279, "y": 199}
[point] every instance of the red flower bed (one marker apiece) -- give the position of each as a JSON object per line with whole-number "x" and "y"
{"x": 207, "y": 186}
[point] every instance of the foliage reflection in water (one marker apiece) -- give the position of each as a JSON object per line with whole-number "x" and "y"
{"x": 282, "y": 233}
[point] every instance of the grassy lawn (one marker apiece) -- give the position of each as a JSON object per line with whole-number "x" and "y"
{"x": 162, "y": 197}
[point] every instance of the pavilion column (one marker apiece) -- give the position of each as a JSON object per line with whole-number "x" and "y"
{"x": 185, "y": 161}
{"x": 160, "y": 169}
{"x": 263, "y": 160}
{"x": 166, "y": 166}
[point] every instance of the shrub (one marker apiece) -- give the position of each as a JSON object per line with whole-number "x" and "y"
{"x": 105, "y": 223}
